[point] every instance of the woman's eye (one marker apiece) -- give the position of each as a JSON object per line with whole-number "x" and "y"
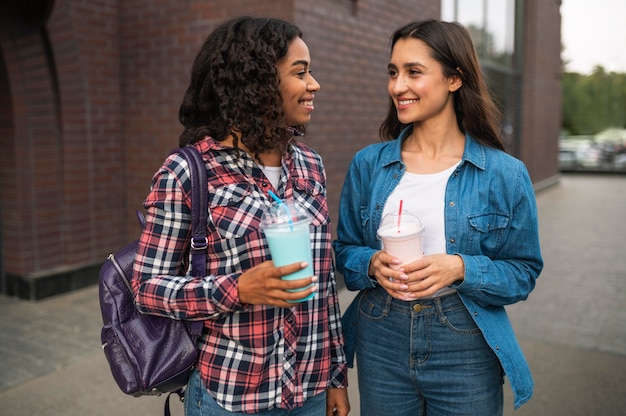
{"x": 393, "y": 74}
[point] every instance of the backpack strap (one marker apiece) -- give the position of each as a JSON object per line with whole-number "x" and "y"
{"x": 199, "y": 242}
{"x": 199, "y": 214}
{"x": 199, "y": 209}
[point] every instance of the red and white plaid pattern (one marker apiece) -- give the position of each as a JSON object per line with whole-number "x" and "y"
{"x": 253, "y": 357}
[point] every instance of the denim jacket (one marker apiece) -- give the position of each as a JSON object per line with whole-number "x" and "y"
{"x": 490, "y": 221}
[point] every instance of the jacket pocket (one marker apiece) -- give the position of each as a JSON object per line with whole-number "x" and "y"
{"x": 487, "y": 232}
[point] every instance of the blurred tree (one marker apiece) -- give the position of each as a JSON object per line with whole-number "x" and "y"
{"x": 592, "y": 103}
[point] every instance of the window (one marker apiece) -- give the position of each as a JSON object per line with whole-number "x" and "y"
{"x": 494, "y": 26}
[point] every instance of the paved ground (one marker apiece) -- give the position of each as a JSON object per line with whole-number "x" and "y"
{"x": 572, "y": 328}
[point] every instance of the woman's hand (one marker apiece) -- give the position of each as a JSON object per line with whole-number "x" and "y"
{"x": 262, "y": 285}
{"x": 387, "y": 271}
{"x": 421, "y": 278}
{"x": 337, "y": 403}
{"x": 431, "y": 273}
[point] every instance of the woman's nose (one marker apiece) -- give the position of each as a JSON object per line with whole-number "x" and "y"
{"x": 313, "y": 85}
{"x": 397, "y": 85}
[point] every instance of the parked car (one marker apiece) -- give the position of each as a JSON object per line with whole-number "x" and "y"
{"x": 567, "y": 160}
{"x": 619, "y": 162}
{"x": 592, "y": 153}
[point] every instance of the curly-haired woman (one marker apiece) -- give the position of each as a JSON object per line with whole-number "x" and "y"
{"x": 251, "y": 93}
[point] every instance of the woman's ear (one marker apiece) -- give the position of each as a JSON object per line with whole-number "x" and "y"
{"x": 456, "y": 82}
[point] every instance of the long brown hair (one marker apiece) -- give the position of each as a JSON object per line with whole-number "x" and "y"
{"x": 451, "y": 45}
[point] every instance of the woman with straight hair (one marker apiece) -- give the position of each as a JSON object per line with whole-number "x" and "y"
{"x": 431, "y": 335}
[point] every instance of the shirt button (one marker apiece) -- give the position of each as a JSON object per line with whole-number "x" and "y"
{"x": 453, "y": 240}
{"x": 451, "y": 203}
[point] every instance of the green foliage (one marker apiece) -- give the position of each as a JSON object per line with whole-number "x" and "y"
{"x": 592, "y": 103}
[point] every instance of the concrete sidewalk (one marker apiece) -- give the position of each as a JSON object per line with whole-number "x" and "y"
{"x": 572, "y": 328}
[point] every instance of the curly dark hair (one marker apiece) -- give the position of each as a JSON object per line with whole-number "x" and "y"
{"x": 451, "y": 46}
{"x": 235, "y": 85}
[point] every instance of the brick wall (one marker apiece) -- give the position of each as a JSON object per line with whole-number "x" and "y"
{"x": 62, "y": 200}
{"x": 541, "y": 90}
{"x": 87, "y": 65}
{"x": 31, "y": 195}
{"x": 89, "y": 109}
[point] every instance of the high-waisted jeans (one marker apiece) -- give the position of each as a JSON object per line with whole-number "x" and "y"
{"x": 422, "y": 358}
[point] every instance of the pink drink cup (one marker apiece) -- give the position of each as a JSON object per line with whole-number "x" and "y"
{"x": 404, "y": 242}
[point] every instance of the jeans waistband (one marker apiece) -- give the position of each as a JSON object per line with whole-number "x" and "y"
{"x": 379, "y": 296}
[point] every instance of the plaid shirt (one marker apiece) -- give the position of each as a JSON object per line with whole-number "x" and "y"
{"x": 252, "y": 357}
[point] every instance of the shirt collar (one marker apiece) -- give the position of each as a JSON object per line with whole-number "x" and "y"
{"x": 210, "y": 144}
{"x": 473, "y": 153}
{"x": 394, "y": 151}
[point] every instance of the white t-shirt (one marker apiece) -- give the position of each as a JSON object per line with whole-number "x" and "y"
{"x": 273, "y": 174}
{"x": 424, "y": 196}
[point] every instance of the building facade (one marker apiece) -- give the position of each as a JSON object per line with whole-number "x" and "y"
{"x": 89, "y": 96}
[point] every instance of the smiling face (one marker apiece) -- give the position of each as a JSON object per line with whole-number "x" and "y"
{"x": 417, "y": 85}
{"x": 297, "y": 85}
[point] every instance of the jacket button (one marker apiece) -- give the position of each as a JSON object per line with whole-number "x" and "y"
{"x": 452, "y": 240}
{"x": 451, "y": 203}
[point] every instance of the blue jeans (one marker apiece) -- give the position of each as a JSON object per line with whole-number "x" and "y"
{"x": 198, "y": 402}
{"x": 424, "y": 358}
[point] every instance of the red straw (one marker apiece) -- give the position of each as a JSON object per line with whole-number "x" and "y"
{"x": 399, "y": 216}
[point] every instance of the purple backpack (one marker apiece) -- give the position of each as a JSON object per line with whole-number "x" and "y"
{"x": 147, "y": 354}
